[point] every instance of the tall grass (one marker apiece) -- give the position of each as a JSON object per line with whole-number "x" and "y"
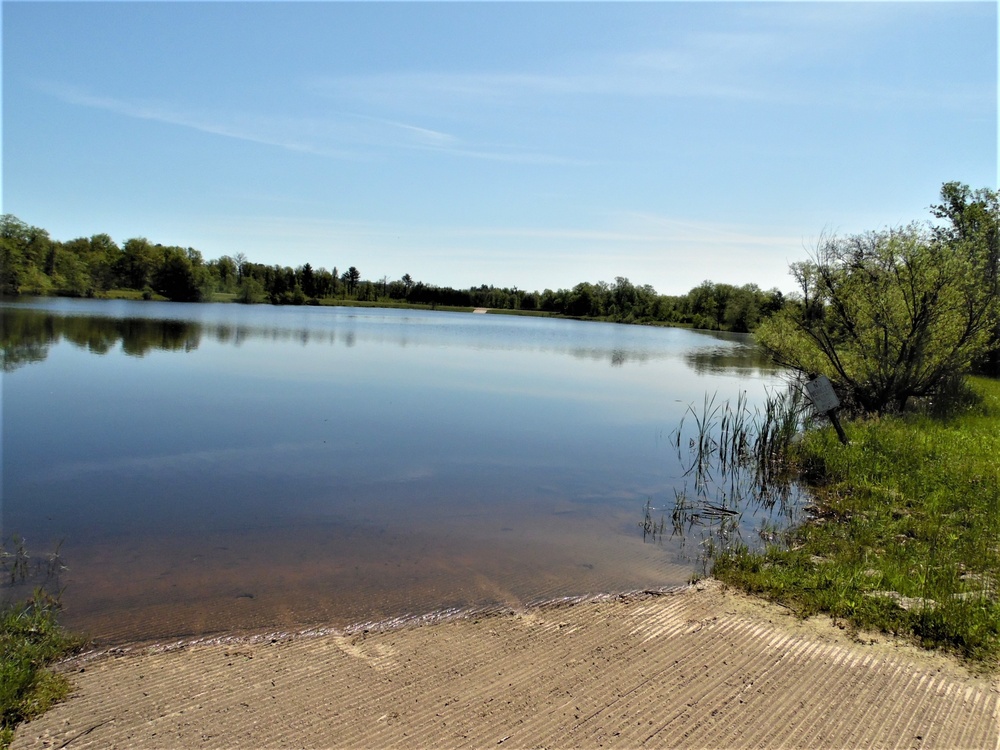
{"x": 904, "y": 532}
{"x": 738, "y": 461}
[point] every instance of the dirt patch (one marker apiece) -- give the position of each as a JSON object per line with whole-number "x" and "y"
{"x": 699, "y": 667}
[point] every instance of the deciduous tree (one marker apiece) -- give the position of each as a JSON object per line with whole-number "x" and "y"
{"x": 888, "y": 316}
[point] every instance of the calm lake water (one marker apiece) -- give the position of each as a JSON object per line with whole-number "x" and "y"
{"x": 229, "y": 468}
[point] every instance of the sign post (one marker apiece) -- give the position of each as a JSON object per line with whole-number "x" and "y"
{"x": 824, "y": 398}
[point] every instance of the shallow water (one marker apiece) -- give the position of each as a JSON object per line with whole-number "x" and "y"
{"x": 222, "y": 467}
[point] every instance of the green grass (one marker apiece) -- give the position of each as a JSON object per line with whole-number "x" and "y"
{"x": 904, "y": 535}
{"x": 524, "y": 313}
{"x": 30, "y": 640}
{"x": 129, "y": 294}
{"x": 338, "y": 302}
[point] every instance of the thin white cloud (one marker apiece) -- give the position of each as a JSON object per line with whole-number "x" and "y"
{"x": 702, "y": 65}
{"x": 252, "y": 129}
{"x": 350, "y": 136}
{"x": 716, "y": 233}
{"x": 758, "y": 65}
{"x": 729, "y": 67}
{"x": 623, "y": 235}
{"x": 424, "y": 135}
{"x": 623, "y": 228}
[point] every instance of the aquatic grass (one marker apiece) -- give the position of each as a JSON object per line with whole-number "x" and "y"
{"x": 904, "y": 532}
{"x": 651, "y": 528}
{"x": 14, "y": 564}
{"x": 739, "y": 461}
{"x": 729, "y": 438}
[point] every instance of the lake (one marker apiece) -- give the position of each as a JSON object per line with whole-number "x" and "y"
{"x": 216, "y": 468}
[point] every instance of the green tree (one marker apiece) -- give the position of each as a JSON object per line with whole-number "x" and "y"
{"x": 974, "y": 227}
{"x": 351, "y": 277}
{"x": 582, "y": 300}
{"x": 69, "y": 272}
{"x": 225, "y": 272}
{"x": 136, "y": 263}
{"x": 12, "y": 234}
{"x": 324, "y": 282}
{"x": 25, "y": 254}
{"x": 101, "y": 258}
{"x": 178, "y": 276}
{"x": 307, "y": 280}
{"x": 887, "y": 316}
{"x": 250, "y": 291}
{"x": 744, "y": 308}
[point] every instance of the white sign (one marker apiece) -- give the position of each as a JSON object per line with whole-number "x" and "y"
{"x": 822, "y": 395}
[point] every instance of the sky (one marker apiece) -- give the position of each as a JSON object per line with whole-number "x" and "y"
{"x": 533, "y": 145}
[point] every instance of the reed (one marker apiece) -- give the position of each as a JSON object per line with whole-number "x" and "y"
{"x": 739, "y": 460}
{"x": 651, "y": 529}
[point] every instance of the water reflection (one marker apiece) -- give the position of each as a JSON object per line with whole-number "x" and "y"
{"x": 738, "y": 490}
{"x": 29, "y": 331}
{"x": 26, "y": 335}
{"x": 341, "y": 464}
{"x": 743, "y": 358}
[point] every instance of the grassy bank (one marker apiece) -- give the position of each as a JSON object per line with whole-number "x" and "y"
{"x": 30, "y": 640}
{"x": 904, "y": 534}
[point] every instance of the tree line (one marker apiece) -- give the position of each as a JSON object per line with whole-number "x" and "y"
{"x": 32, "y": 263}
{"x": 888, "y": 315}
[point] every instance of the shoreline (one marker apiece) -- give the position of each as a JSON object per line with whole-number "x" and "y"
{"x": 433, "y": 617}
{"x": 696, "y": 666}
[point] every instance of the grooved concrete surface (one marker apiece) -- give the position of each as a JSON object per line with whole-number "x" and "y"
{"x": 698, "y": 668}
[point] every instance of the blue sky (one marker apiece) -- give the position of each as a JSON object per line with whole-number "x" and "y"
{"x": 526, "y": 144}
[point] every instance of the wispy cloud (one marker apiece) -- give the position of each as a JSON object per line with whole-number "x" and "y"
{"x": 615, "y": 235}
{"x": 763, "y": 64}
{"x": 252, "y": 128}
{"x": 621, "y": 227}
{"x": 349, "y": 135}
{"x": 432, "y": 138}
{"x": 671, "y": 253}
{"x": 666, "y": 228}
{"x": 735, "y": 65}
{"x": 650, "y": 74}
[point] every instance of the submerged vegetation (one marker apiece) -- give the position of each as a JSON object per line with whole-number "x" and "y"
{"x": 31, "y": 638}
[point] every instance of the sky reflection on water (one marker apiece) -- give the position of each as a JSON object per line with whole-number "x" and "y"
{"x": 364, "y": 462}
